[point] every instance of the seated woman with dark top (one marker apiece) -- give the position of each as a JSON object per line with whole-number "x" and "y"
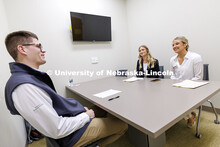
{"x": 147, "y": 66}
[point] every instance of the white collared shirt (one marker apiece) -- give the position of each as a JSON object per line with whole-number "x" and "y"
{"x": 35, "y": 105}
{"x": 190, "y": 69}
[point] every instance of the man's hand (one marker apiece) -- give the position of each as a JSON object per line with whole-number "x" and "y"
{"x": 86, "y": 108}
{"x": 90, "y": 112}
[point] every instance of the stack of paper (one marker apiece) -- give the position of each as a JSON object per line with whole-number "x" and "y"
{"x": 132, "y": 79}
{"x": 106, "y": 93}
{"x": 190, "y": 84}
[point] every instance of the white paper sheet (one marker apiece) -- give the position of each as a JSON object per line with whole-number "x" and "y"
{"x": 190, "y": 84}
{"x": 106, "y": 93}
{"x": 132, "y": 79}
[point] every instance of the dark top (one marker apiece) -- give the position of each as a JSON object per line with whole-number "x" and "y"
{"x": 66, "y": 107}
{"x": 150, "y": 71}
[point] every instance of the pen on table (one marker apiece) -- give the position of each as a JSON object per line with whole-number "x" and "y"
{"x": 113, "y": 98}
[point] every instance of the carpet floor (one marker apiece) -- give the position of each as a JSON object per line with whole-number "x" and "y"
{"x": 178, "y": 135}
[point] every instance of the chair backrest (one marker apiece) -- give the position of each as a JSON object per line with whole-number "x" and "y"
{"x": 121, "y": 73}
{"x": 206, "y": 72}
{"x": 51, "y": 142}
{"x": 161, "y": 69}
{"x": 32, "y": 133}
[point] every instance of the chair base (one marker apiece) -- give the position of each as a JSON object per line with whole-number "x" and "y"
{"x": 198, "y": 120}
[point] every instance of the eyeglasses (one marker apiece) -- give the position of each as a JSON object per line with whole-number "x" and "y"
{"x": 37, "y": 45}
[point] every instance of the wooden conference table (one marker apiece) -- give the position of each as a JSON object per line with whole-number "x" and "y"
{"x": 149, "y": 107}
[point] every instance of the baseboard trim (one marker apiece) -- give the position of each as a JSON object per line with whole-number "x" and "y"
{"x": 209, "y": 109}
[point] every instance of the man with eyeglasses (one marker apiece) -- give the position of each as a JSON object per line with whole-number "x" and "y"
{"x": 31, "y": 94}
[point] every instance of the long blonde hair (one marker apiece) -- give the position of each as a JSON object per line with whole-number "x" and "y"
{"x": 150, "y": 59}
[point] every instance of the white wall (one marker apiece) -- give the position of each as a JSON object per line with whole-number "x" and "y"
{"x": 50, "y": 20}
{"x": 156, "y": 22}
{"x": 12, "y": 127}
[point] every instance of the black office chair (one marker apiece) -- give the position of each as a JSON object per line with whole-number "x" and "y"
{"x": 121, "y": 73}
{"x": 161, "y": 69}
{"x": 32, "y": 133}
{"x": 205, "y": 77}
{"x": 50, "y": 142}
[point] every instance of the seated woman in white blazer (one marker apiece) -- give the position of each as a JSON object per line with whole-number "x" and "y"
{"x": 185, "y": 65}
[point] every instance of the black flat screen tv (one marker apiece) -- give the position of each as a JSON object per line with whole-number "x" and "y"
{"x": 88, "y": 27}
